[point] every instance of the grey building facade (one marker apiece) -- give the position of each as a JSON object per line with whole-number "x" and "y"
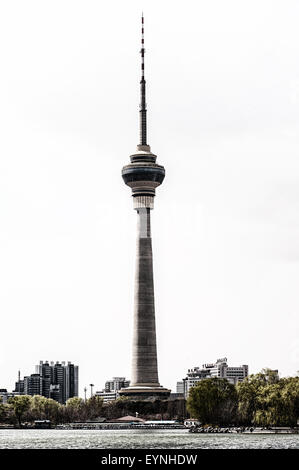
{"x": 59, "y": 381}
{"x": 64, "y": 376}
{"x": 33, "y": 385}
{"x": 116, "y": 384}
{"x": 219, "y": 369}
{"x": 112, "y": 388}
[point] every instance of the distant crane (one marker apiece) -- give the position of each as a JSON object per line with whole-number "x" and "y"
{"x": 85, "y": 390}
{"x": 91, "y": 387}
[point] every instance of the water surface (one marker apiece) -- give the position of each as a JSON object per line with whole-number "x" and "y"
{"x": 140, "y": 439}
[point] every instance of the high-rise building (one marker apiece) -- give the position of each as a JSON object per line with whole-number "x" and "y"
{"x": 19, "y": 385}
{"x": 51, "y": 380}
{"x": 219, "y": 369}
{"x": 56, "y": 393}
{"x": 44, "y": 369}
{"x": 33, "y": 385}
{"x": 143, "y": 175}
{"x": 58, "y": 378}
{"x": 71, "y": 381}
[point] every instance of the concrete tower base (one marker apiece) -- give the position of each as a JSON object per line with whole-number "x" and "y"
{"x": 144, "y": 392}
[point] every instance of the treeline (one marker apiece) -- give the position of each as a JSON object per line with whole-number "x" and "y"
{"x": 26, "y": 409}
{"x": 262, "y": 399}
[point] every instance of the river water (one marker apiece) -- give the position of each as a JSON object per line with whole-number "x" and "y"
{"x": 140, "y": 439}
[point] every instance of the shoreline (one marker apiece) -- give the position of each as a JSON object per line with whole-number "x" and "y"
{"x": 112, "y": 427}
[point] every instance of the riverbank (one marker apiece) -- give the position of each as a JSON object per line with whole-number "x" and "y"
{"x": 243, "y": 430}
{"x": 99, "y": 426}
{"x": 143, "y": 427}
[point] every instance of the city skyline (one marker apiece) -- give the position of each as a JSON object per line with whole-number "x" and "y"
{"x": 223, "y": 100}
{"x": 206, "y": 370}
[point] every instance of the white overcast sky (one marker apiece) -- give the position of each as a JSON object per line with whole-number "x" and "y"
{"x": 223, "y": 118}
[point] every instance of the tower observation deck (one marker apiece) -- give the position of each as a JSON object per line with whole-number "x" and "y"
{"x": 143, "y": 175}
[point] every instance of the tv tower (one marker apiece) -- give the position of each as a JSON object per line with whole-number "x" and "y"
{"x": 143, "y": 175}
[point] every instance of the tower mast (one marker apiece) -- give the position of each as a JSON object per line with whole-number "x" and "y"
{"x": 142, "y": 111}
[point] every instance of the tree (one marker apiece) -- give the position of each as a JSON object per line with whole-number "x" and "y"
{"x": 279, "y": 403}
{"x": 267, "y": 376}
{"x": 52, "y": 410}
{"x": 250, "y": 395}
{"x": 6, "y": 413}
{"x": 2, "y": 411}
{"x": 266, "y": 400}
{"x": 20, "y": 405}
{"x": 271, "y": 408}
{"x": 37, "y": 407}
{"x": 176, "y": 409}
{"x": 93, "y": 406}
{"x": 247, "y": 399}
{"x": 213, "y": 401}
{"x": 291, "y": 396}
{"x": 74, "y": 407}
{"x": 74, "y": 402}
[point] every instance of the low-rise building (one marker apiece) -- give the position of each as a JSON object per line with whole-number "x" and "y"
{"x": 112, "y": 387}
{"x": 5, "y": 395}
{"x": 116, "y": 384}
{"x": 175, "y": 396}
{"x": 180, "y": 387}
{"x": 218, "y": 369}
{"x": 108, "y": 396}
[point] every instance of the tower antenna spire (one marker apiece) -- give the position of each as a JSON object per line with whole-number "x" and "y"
{"x": 142, "y": 112}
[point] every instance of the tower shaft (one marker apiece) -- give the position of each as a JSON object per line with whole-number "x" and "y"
{"x": 144, "y": 361}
